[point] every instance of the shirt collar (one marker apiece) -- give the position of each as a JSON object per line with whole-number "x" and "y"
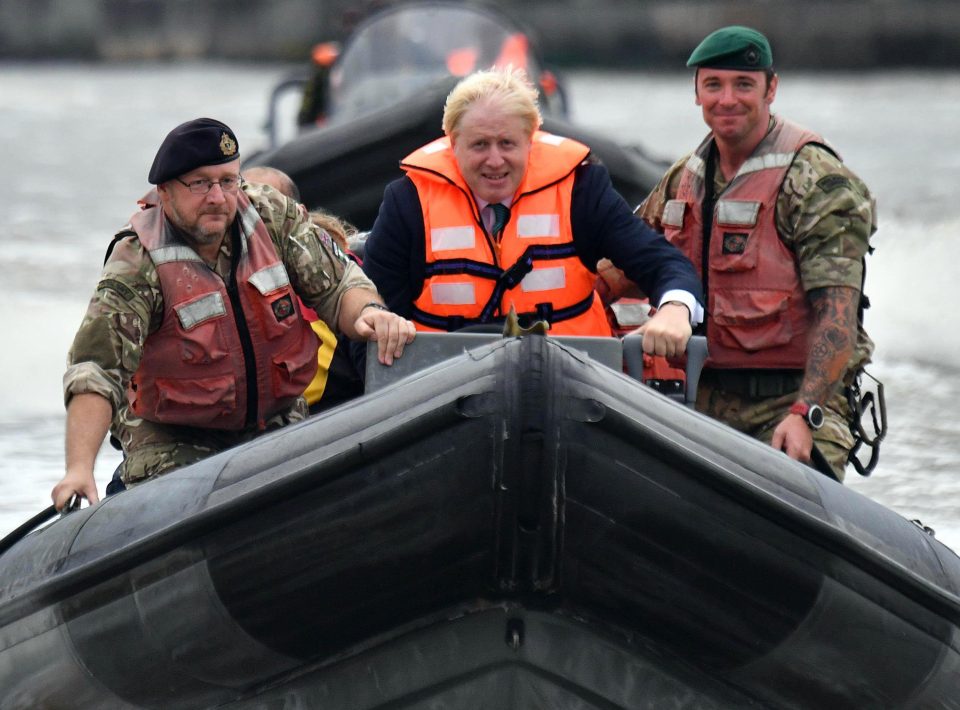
{"x": 483, "y": 204}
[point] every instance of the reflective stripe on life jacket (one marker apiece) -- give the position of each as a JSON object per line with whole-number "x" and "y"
{"x": 469, "y": 278}
{"x": 757, "y": 312}
{"x": 223, "y": 358}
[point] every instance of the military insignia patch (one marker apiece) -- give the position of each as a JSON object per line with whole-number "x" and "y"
{"x": 228, "y": 146}
{"x": 734, "y": 242}
{"x": 751, "y": 57}
{"x": 282, "y": 307}
{"x": 125, "y": 292}
{"x": 829, "y": 183}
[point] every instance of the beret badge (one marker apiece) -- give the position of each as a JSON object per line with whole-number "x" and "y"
{"x": 228, "y": 146}
{"x": 202, "y": 141}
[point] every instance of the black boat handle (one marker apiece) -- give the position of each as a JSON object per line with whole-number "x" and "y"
{"x": 696, "y": 356}
{"x": 36, "y": 521}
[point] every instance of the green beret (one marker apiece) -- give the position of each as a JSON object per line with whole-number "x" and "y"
{"x": 733, "y": 47}
{"x": 192, "y": 145}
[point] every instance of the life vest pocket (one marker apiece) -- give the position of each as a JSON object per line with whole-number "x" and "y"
{"x": 196, "y": 401}
{"x": 294, "y": 369}
{"x": 733, "y": 246}
{"x": 752, "y": 320}
{"x": 203, "y": 344}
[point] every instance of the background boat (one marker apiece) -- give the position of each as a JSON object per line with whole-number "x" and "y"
{"x": 383, "y": 98}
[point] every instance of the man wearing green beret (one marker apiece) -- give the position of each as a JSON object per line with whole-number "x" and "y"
{"x": 194, "y": 340}
{"x": 778, "y": 228}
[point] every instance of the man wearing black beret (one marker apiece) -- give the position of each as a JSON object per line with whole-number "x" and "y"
{"x": 778, "y": 228}
{"x": 194, "y": 341}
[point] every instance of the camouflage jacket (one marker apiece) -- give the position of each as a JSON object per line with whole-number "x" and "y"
{"x": 128, "y": 305}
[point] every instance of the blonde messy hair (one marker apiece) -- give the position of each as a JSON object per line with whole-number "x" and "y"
{"x": 508, "y": 87}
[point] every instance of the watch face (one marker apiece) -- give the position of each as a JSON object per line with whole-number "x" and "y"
{"x": 815, "y": 416}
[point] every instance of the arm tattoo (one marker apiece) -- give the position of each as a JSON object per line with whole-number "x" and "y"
{"x": 831, "y": 342}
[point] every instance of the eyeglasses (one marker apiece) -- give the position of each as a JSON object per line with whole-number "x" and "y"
{"x": 201, "y": 186}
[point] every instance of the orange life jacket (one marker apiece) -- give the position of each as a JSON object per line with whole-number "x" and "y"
{"x": 470, "y": 278}
{"x": 757, "y": 312}
{"x": 223, "y": 358}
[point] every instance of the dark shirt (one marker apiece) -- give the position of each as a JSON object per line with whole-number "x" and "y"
{"x": 602, "y": 222}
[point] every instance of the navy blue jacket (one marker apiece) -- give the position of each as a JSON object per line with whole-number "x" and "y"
{"x": 603, "y": 226}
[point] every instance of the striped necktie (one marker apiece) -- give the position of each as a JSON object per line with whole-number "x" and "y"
{"x": 501, "y": 215}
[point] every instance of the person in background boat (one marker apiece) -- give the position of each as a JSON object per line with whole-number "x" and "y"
{"x": 779, "y": 228}
{"x": 193, "y": 341}
{"x": 315, "y": 101}
{"x": 498, "y": 213}
{"x": 316, "y": 90}
{"x": 337, "y": 379}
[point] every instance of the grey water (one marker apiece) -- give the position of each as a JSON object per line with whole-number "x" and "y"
{"x": 77, "y": 142}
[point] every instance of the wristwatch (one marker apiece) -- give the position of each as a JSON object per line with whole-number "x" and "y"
{"x": 812, "y": 413}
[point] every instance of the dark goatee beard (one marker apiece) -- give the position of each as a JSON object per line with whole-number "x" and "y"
{"x": 196, "y": 235}
{"x": 204, "y": 237}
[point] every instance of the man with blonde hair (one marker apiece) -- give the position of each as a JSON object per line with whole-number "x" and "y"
{"x": 516, "y": 95}
{"x": 499, "y": 214}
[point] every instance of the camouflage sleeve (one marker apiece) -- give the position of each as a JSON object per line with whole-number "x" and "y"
{"x": 826, "y": 214}
{"x": 319, "y": 270}
{"x": 125, "y": 308}
{"x": 651, "y": 209}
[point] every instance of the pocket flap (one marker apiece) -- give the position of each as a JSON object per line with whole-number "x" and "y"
{"x": 200, "y": 310}
{"x": 738, "y": 213}
{"x": 673, "y": 213}
{"x": 270, "y": 279}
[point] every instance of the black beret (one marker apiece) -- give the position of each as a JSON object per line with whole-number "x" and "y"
{"x": 191, "y": 145}
{"x": 734, "y": 47}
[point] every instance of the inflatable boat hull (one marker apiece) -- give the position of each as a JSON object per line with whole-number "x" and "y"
{"x": 517, "y": 527}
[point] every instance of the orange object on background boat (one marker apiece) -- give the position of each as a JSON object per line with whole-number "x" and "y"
{"x": 514, "y": 51}
{"x": 325, "y": 54}
{"x": 461, "y": 62}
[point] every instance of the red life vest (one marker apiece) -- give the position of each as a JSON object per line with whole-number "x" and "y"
{"x": 470, "y": 278}
{"x": 757, "y": 312}
{"x": 196, "y": 369}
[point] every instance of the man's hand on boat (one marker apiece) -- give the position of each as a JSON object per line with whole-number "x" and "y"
{"x": 72, "y": 485}
{"x": 794, "y": 438}
{"x": 88, "y": 419}
{"x": 668, "y": 331}
{"x": 364, "y": 317}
